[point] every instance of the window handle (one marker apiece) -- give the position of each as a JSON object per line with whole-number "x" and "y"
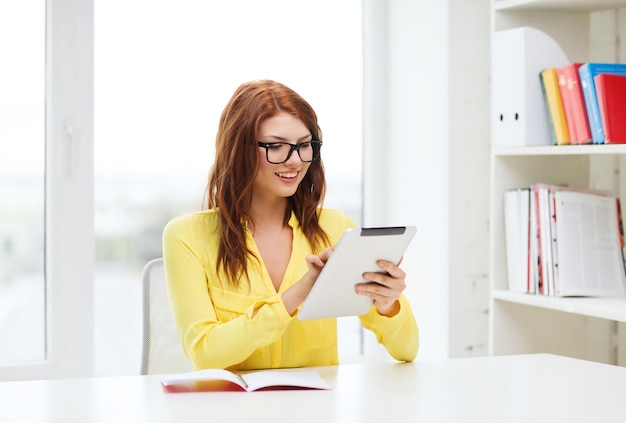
{"x": 72, "y": 142}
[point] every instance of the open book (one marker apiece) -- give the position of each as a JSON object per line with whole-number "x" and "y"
{"x": 219, "y": 379}
{"x": 588, "y": 244}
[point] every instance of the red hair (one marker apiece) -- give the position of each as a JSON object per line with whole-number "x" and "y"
{"x": 229, "y": 189}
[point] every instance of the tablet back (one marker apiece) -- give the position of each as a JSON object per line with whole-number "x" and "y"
{"x": 356, "y": 252}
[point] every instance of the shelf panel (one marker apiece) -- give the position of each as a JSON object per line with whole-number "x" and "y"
{"x": 604, "y": 308}
{"x": 562, "y": 150}
{"x": 569, "y": 5}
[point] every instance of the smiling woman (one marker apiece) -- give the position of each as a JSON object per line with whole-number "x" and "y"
{"x": 238, "y": 272}
{"x": 157, "y": 96}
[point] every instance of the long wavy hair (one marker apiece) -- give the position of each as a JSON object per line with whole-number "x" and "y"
{"x": 230, "y": 184}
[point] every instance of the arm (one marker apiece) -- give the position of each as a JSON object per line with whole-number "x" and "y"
{"x": 391, "y": 317}
{"x": 399, "y": 334}
{"x": 295, "y": 295}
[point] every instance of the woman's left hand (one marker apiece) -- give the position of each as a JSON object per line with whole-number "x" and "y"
{"x": 384, "y": 287}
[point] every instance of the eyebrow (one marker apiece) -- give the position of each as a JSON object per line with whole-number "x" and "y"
{"x": 278, "y": 138}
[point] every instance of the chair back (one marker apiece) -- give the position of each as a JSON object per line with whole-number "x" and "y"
{"x": 162, "y": 350}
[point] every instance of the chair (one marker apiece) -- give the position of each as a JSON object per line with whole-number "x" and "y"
{"x": 162, "y": 350}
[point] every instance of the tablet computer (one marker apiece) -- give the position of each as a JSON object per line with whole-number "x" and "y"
{"x": 357, "y": 252}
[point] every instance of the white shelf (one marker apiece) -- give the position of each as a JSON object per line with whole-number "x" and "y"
{"x": 569, "y": 5}
{"x": 562, "y": 150}
{"x": 582, "y": 327}
{"x": 604, "y": 308}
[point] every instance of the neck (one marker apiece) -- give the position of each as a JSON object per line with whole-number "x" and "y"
{"x": 267, "y": 215}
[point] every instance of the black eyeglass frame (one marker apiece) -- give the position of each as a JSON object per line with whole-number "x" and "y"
{"x": 292, "y": 147}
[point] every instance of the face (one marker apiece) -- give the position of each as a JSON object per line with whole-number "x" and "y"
{"x": 281, "y": 180}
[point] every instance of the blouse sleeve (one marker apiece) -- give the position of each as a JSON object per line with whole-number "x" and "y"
{"x": 194, "y": 312}
{"x": 399, "y": 334}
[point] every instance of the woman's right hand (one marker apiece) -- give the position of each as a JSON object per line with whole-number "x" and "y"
{"x": 296, "y": 294}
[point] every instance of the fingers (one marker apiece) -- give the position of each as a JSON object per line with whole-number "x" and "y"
{"x": 393, "y": 277}
{"x": 386, "y": 300}
{"x": 326, "y": 253}
{"x": 384, "y": 288}
{"x": 313, "y": 260}
{"x": 319, "y": 261}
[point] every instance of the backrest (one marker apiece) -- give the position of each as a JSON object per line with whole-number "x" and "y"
{"x": 162, "y": 349}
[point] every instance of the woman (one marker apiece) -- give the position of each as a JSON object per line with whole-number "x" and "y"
{"x": 238, "y": 272}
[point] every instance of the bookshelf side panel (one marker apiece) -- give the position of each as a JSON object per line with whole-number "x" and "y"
{"x": 522, "y": 329}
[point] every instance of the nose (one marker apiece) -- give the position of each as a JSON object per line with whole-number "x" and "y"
{"x": 294, "y": 157}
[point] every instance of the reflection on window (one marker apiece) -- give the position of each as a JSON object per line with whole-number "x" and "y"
{"x": 22, "y": 161}
{"x": 159, "y": 93}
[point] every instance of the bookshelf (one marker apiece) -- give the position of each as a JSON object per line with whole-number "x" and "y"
{"x": 587, "y": 328}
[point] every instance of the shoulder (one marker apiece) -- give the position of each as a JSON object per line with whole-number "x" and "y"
{"x": 334, "y": 222}
{"x": 197, "y": 225}
{"x": 332, "y": 216}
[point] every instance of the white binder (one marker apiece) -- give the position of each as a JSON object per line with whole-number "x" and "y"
{"x": 520, "y": 115}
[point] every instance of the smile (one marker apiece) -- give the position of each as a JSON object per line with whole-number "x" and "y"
{"x": 287, "y": 175}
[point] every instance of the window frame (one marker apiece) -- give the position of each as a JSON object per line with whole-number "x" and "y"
{"x": 69, "y": 210}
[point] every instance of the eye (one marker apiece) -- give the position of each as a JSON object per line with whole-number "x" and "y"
{"x": 275, "y": 146}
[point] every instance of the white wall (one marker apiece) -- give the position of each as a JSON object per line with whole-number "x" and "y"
{"x": 426, "y": 158}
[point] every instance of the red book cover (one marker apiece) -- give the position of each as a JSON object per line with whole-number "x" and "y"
{"x": 574, "y": 104}
{"x": 611, "y": 92}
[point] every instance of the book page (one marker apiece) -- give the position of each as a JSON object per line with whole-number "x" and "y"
{"x": 201, "y": 376}
{"x": 300, "y": 379}
{"x": 590, "y": 257}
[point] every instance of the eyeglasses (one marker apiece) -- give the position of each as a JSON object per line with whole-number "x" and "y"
{"x": 280, "y": 152}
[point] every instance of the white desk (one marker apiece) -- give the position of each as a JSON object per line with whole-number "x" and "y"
{"x": 524, "y": 388}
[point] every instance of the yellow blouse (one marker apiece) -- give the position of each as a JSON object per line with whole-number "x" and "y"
{"x": 214, "y": 319}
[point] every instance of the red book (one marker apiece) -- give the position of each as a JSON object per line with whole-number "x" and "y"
{"x": 611, "y": 92}
{"x": 574, "y": 104}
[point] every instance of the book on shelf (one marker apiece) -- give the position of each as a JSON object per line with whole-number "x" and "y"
{"x": 533, "y": 247}
{"x": 587, "y": 73}
{"x": 589, "y": 260}
{"x": 574, "y": 104}
{"x": 544, "y": 210}
{"x": 574, "y": 242}
{"x": 225, "y": 380}
{"x": 522, "y": 240}
{"x": 517, "y": 236}
{"x": 611, "y": 93}
{"x": 554, "y": 106}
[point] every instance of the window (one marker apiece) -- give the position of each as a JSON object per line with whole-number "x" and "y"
{"x": 163, "y": 73}
{"x": 22, "y": 166}
{"x": 46, "y": 114}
